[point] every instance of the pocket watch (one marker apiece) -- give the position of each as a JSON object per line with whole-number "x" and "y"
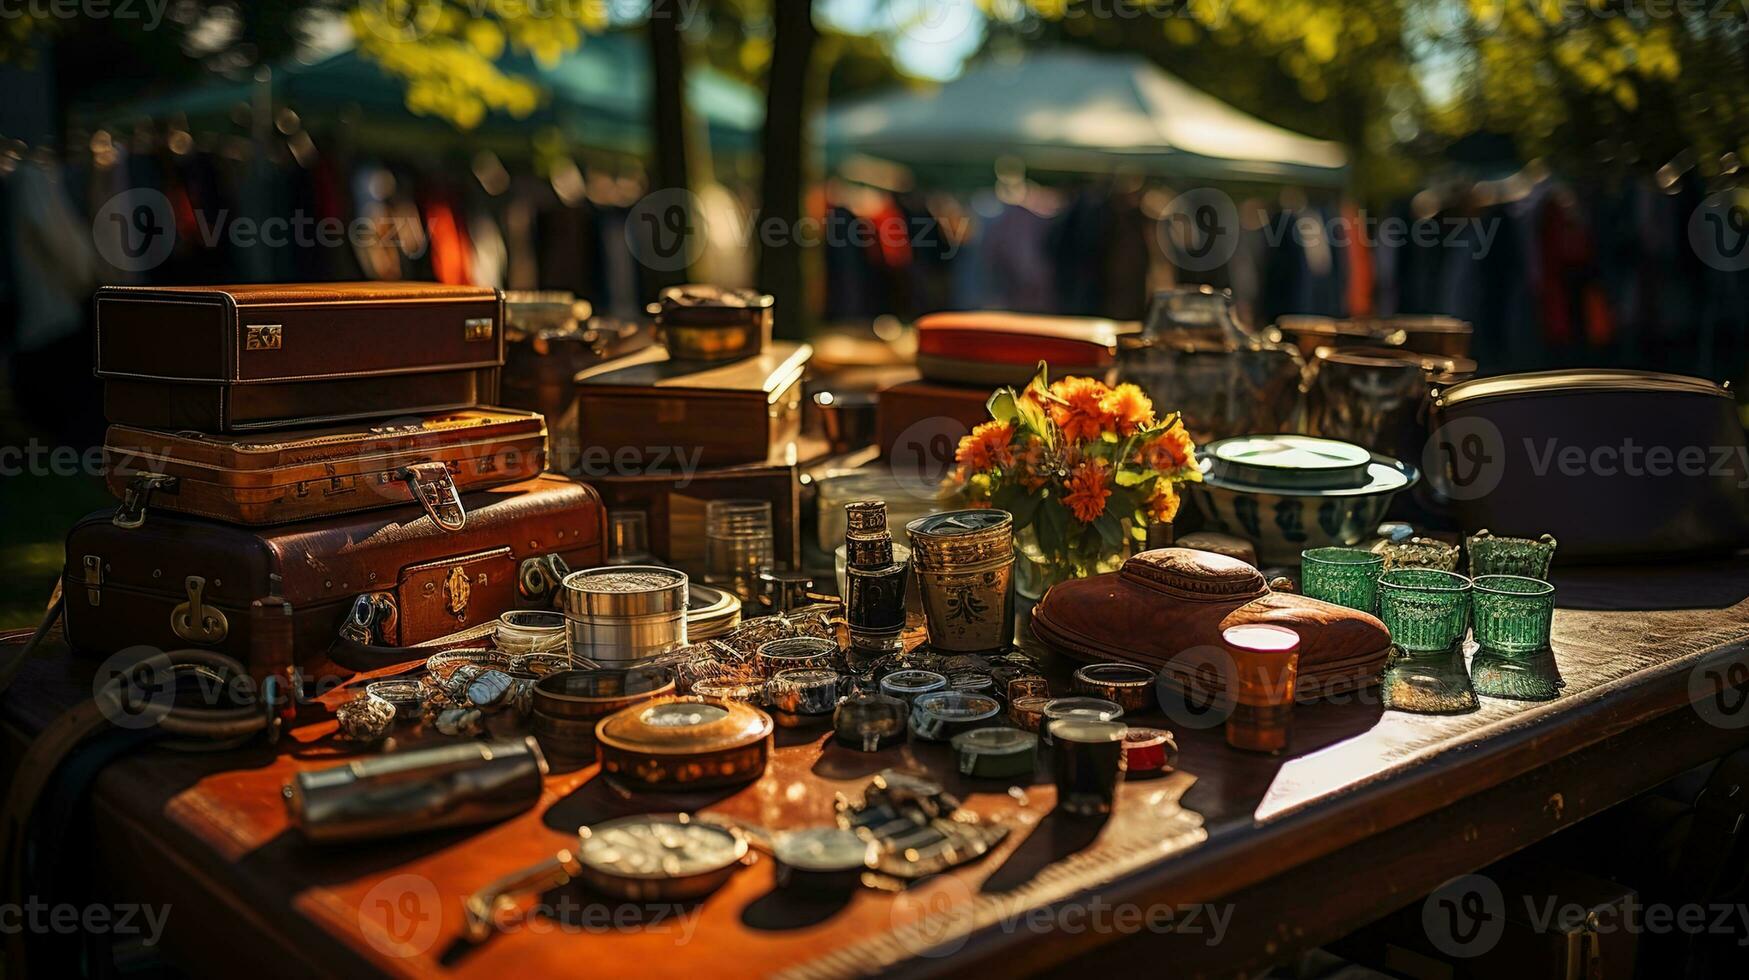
{"x": 821, "y": 858}
{"x": 658, "y": 857}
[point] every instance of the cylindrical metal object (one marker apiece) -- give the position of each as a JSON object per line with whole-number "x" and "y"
{"x": 624, "y": 614}
{"x": 964, "y": 561}
{"x": 424, "y": 789}
{"x": 524, "y": 631}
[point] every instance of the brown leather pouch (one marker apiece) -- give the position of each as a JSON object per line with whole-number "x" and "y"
{"x": 180, "y": 582}
{"x": 1166, "y": 609}
{"x": 234, "y": 358}
{"x": 273, "y": 478}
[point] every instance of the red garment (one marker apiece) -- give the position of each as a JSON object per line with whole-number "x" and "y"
{"x": 452, "y": 254}
{"x": 1360, "y": 262}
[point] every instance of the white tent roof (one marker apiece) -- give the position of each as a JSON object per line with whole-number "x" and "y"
{"x": 1071, "y": 109}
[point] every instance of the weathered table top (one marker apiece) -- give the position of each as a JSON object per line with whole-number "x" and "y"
{"x": 1220, "y": 866}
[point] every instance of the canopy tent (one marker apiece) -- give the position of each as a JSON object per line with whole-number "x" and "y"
{"x": 597, "y": 96}
{"x": 1066, "y": 109}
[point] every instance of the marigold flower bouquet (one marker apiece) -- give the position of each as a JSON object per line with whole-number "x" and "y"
{"x": 1084, "y": 468}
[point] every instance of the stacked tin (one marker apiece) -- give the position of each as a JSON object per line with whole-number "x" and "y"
{"x": 965, "y": 571}
{"x": 874, "y": 601}
{"x": 621, "y": 615}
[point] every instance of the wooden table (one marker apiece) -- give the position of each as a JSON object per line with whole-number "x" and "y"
{"x": 1233, "y": 862}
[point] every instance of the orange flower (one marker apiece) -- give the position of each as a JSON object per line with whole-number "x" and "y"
{"x": 1129, "y": 407}
{"x": 1172, "y": 450}
{"x": 1163, "y": 505}
{"x": 987, "y": 446}
{"x": 1088, "y": 491}
{"x": 1078, "y": 408}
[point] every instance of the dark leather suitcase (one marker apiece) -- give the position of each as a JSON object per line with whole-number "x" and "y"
{"x": 178, "y": 582}
{"x": 646, "y": 413}
{"x": 674, "y": 510}
{"x": 540, "y": 368}
{"x": 274, "y": 478}
{"x": 234, "y": 358}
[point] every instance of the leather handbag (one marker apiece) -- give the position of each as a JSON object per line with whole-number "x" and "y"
{"x": 1617, "y": 465}
{"x": 991, "y": 348}
{"x": 180, "y": 582}
{"x": 274, "y": 477}
{"x": 1166, "y": 610}
{"x": 234, "y": 358}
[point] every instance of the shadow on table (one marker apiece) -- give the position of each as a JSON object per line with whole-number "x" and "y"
{"x": 1652, "y": 587}
{"x": 1056, "y": 836}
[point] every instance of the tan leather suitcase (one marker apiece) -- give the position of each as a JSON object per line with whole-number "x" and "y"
{"x": 179, "y": 582}
{"x": 277, "y": 477}
{"x": 234, "y": 358}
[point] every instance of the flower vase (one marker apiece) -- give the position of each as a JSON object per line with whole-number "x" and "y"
{"x": 1037, "y": 568}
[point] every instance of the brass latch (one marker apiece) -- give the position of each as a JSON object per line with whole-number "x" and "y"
{"x": 132, "y": 512}
{"x": 194, "y": 620}
{"x": 476, "y": 328}
{"x": 538, "y": 578}
{"x": 435, "y": 490}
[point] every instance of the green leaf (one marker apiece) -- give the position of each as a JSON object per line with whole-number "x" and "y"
{"x": 1109, "y": 530}
{"x": 1027, "y": 508}
{"x": 1053, "y": 524}
{"x": 1004, "y": 406}
{"x": 1007, "y": 497}
{"x": 1134, "y": 478}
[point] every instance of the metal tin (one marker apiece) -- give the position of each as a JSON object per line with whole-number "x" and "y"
{"x": 795, "y": 653}
{"x": 698, "y": 322}
{"x": 803, "y": 691}
{"x": 908, "y": 685}
{"x": 424, "y": 789}
{"x": 589, "y": 695}
{"x": 1096, "y": 709}
{"x": 710, "y": 613}
{"x": 1129, "y": 686}
{"x": 666, "y": 857}
{"x": 996, "y": 753}
{"x": 524, "y": 631}
{"x": 821, "y": 859}
{"x": 941, "y": 715}
{"x": 625, "y": 614}
{"x": 964, "y": 562}
{"x": 1147, "y": 750}
{"x": 1028, "y": 713}
{"x": 685, "y": 743}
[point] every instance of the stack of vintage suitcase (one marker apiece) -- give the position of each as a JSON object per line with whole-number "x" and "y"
{"x": 315, "y": 475}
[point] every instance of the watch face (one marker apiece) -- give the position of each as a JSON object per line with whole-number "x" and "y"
{"x": 658, "y": 847}
{"x": 821, "y": 849}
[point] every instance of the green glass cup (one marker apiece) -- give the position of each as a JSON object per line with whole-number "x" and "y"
{"x": 1346, "y": 576}
{"x": 1491, "y": 555}
{"x": 1513, "y": 612}
{"x": 1424, "y": 608}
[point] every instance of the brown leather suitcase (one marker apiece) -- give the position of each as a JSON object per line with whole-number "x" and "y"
{"x": 647, "y": 413}
{"x": 234, "y": 358}
{"x": 180, "y": 582}
{"x": 275, "y": 477}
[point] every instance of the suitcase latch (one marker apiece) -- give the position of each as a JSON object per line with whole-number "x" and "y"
{"x": 372, "y": 617}
{"x": 538, "y": 578}
{"x": 132, "y": 512}
{"x": 435, "y": 490}
{"x": 194, "y": 620}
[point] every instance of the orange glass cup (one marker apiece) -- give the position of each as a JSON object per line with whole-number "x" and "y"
{"x": 1266, "y": 661}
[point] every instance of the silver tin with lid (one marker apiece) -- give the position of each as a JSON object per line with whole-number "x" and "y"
{"x": 624, "y": 614}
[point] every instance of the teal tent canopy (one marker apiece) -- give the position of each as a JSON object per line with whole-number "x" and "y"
{"x": 598, "y": 96}
{"x": 1067, "y": 109}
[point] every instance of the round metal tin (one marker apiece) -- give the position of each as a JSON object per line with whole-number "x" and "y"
{"x": 658, "y": 856}
{"x": 940, "y": 715}
{"x": 821, "y": 858}
{"x": 1128, "y": 685}
{"x": 625, "y": 614}
{"x": 996, "y": 753}
{"x": 685, "y": 743}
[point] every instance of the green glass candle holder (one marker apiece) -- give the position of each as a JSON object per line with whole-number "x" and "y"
{"x": 1424, "y": 608}
{"x": 1346, "y": 576}
{"x": 1420, "y": 553}
{"x": 1490, "y": 555}
{"x": 1513, "y": 612}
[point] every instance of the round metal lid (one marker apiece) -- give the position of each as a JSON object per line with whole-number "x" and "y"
{"x": 956, "y": 522}
{"x": 658, "y": 845}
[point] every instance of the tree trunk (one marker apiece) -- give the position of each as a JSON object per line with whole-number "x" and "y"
{"x": 784, "y": 175}
{"x": 667, "y": 120}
